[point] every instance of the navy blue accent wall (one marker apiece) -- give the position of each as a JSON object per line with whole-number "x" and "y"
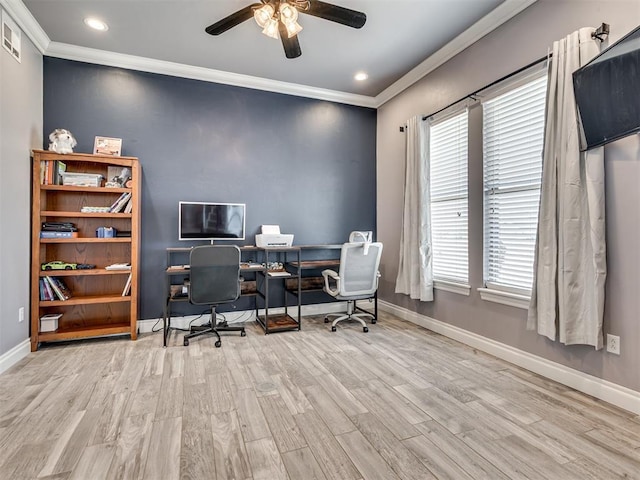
{"x": 306, "y": 165}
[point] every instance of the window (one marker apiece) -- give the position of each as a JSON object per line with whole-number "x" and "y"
{"x": 449, "y": 199}
{"x": 513, "y": 135}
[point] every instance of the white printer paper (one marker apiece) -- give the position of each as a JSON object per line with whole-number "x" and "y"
{"x": 271, "y": 229}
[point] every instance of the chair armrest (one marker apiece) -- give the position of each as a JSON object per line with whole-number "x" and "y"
{"x": 329, "y": 275}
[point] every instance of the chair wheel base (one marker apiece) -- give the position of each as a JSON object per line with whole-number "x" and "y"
{"x": 218, "y": 344}
{"x": 333, "y": 329}
{"x": 186, "y": 342}
{"x": 365, "y": 329}
{"x": 326, "y": 320}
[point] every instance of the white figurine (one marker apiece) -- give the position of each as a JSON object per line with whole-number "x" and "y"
{"x": 62, "y": 141}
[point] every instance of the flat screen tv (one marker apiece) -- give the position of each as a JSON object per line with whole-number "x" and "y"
{"x": 607, "y": 93}
{"x": 211, "y": 221}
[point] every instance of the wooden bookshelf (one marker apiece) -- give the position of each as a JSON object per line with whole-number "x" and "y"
{"x": 97, "y": 306}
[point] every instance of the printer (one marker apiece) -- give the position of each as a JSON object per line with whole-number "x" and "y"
{"x": 271, "y": 237}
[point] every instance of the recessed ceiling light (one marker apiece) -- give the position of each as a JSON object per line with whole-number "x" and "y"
{"x": 96, "y": 24}
{"x": 361, "y": 76}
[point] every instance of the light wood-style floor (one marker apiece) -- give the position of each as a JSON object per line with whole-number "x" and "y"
{"x": 399, "y": 402}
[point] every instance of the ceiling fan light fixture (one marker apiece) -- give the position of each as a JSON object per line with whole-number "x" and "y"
{"x": 263, "y": 14}
{"x": 288, "y": 13}
{"x": 271, "y": 28}
{"x": 293, "y": 28}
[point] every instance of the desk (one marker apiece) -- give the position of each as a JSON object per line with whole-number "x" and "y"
{"x": 301, "y": 274}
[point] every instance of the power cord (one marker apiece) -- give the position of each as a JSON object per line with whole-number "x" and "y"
{"x": 188, "y": 329}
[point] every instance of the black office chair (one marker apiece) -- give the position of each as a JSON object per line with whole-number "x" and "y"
{"x": 215, "y": 279}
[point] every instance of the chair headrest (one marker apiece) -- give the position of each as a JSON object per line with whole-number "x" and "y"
{"x": 364, "y": 237}
{"x": 360, "y": 236}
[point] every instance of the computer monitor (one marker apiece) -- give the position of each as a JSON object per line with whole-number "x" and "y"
{"x": 211, "y": 221}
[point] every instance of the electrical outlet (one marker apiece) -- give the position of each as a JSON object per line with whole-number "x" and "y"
{"x": 613, "y": 344}
{"x": 21, "y": 314}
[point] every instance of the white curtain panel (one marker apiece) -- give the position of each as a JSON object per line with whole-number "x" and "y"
{"x": 567, "y": 298}
{"x": 415, "y": 270}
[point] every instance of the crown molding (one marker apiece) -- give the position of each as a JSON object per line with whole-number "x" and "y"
{"x": 21, "y": 15}
{"x": 488, "y": 23}
{"x": 131, "y": 62}
{"x": 23, "y": 18}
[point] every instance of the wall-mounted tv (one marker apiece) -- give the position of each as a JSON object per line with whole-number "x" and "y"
{"x": 211, "y": 221}
{"x": 607, "y": 93}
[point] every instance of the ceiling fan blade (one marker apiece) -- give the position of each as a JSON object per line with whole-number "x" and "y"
{"x": 334, "y": 13}
{"x": 232, "y": 20}
{"x": 291, "y": 45}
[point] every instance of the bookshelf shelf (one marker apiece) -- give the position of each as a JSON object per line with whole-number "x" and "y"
{"x": 96, "y": 306}
{"x": 86, "y": 240}
{"x": 86, "y": 300}
{"x": 76, "y": 188}
{"x": 81, "y": 273}
{"x": 70, "y": 333}
{"x": 51, "y": 213}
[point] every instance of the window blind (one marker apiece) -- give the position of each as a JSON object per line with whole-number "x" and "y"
{"x": 449, "y": 199}
{"x": 513, "y": 137}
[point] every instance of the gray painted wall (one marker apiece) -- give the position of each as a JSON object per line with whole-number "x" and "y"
{"x": 306, "y": 165}
{"x": 520, "y": 41}
{"x": 20, "y": 130}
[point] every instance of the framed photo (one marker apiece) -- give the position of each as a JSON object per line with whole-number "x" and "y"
{"x": 107, "y": 146}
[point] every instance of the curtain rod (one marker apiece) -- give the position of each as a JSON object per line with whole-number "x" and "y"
{"x": 601, "y": 31}
{"x": 502, "y": 79}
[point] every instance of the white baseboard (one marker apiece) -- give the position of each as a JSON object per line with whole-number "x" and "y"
{"x": 615, "y": 394}
{"x": 13, "y": 356}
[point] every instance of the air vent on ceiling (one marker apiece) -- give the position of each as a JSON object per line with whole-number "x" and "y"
{"x": 11, "y": 35}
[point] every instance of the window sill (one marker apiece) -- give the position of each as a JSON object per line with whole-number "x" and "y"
{"x": 459, "y": 288}
{"x": 505, "y": 298}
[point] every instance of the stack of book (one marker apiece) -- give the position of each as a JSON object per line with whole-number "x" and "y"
{"x": 123, "y": 204}
{"x": 53, "y": 288}
{"x": 52, "y": 172}
{"x": 58, "y": 230}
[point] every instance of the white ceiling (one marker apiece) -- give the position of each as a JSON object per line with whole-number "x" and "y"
{"x": 401, "y": 41}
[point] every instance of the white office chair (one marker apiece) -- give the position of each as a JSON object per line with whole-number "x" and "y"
{"x": 356, "y": 280}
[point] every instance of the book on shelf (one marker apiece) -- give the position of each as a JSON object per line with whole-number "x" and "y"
{"x": 48, "y": 172}
{"x": 95, "y": 209}
{"x": 58, "y": 234}
{"x": 129, "y": 206}
{"x": 52, "y": 172}
{"x": 113, "y": 205}
{"x": 121, "y": 203}
{"x": 58, "y": 226}
{"x": 127, "y": 287}
{"x": 59, "y": 172}
{"x": 61, "y": 291}
{"x": 43, "y": 171}
{"x": 118, "y": 266}
{"x": 46, "y": 292}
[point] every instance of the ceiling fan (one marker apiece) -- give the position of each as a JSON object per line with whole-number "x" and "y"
{"x": 279, "y": 18}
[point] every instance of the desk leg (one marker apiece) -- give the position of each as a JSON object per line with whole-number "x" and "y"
{"x": 375, "y": 308}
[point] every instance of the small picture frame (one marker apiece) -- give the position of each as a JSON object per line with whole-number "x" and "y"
{"x": 107, "y": 146}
